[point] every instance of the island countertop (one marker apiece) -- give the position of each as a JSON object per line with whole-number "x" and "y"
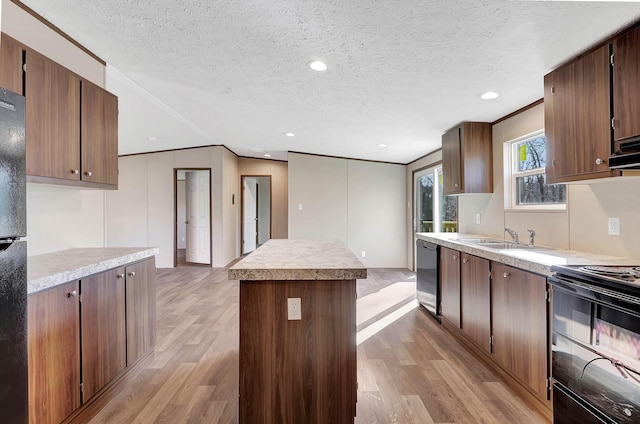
{"x": 283, "y": 259}
{"x": 51, "y": 269}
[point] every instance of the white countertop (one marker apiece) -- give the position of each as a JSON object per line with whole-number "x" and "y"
{"x": 538, "y": 259}
{"x": 52, "y": 269}
{"x": 283, "y": 259}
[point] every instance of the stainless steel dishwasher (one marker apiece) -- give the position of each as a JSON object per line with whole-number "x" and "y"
{"x": 427, "y": 276}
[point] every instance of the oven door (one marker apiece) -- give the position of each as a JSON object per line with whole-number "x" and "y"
{"x": 596, "y": 349}
{"x": 568, "y": 410}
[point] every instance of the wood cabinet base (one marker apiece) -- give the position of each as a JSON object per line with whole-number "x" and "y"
{"x": 543, "y": 407}
{"x": 298, "y": 371}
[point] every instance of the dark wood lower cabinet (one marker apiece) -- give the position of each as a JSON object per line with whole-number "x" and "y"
{"x": 520, "y": 320}
{"x": 475, "y": 297}
{"x": 84, "y": 334}
{"x": 141, "y": 309}
{"x": 54, "y": 354}
{"x": 450, "y": 285}
{"x": 298, "y": 371}
{"x": 103, "y": 330}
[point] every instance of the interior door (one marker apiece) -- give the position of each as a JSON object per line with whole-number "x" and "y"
{"x": 249, "y": 214}
{"x": 198, "y": 221}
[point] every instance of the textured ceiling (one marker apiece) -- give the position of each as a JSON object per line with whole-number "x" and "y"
{"x": 400, "y": 72}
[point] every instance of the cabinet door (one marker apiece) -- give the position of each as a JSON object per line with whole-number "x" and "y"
{"x": 581, "y": 116}
{"x": 99, "y": 135}
{"x": 10, "y": 64}
{"x": 451, "y": 162}
{"x": 54, "y": 354}
{"x": 626, "y": 85}
{"x": 103, "y": 330}
{"x": 520, "y": 340}
{"x": 475, "y": 297}
{"x": 550, "y": 133}
{"x": 476, "y": 157}
{"x": 141, "y": 309}
{"x": 450, "y": 285}
{"x": 52, "y": 119}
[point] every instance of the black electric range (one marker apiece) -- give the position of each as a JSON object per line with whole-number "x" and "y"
{"x": 595, "y": 344}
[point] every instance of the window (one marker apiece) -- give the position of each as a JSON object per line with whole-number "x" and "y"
{"x": 525, "y": 185}
{"x": 435, "y": 212}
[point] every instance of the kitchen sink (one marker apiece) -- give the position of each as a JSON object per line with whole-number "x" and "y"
{"x": 495, "y": 243}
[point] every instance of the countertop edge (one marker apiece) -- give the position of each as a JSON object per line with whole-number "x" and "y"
{"x": 572, "y": 257}
{"x": 297, "y": 274}
{"x": 45, "y": 282}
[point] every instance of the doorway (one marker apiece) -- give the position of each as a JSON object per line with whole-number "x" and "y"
{"x": 192, "y": 199}
{"x": 256, "y": 211}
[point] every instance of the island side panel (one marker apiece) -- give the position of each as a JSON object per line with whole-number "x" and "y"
{"x": 298, "y": 371}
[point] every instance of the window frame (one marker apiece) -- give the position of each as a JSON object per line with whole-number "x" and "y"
{"x": 512, "y": 174}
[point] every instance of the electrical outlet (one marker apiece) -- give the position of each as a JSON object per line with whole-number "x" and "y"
{"x": 294, "y": 311}
{"x": 614, "y": 226}
{"x": 299, "y": 206}
{"x": 478, "y": 218}
{"x": 363, "y": 254}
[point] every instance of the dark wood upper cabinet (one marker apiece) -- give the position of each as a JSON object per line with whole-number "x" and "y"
{"x": 467, "y": 159}
{"x": 10, "y": 64}
{"x": 475, "y": 298}
{"x": 578, "y": 118}
{"x": 626, "y": 85}
{"x": 52, "y": 119}
{"x": 99, "y": 135}
{"x": 450, "y": 283}
{"x": 104, "y": 345}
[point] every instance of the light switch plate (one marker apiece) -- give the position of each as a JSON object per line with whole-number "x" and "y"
{"x": 478, "y": 218}
{"x": 614, "y": 226}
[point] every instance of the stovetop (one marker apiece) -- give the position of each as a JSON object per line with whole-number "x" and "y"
{"x": 612, "y": 276}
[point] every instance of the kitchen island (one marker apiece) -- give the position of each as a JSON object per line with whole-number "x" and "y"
{"x": 298, "y": 332}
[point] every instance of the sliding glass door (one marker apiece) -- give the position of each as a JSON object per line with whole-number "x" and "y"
{"x": 435, "y": 212}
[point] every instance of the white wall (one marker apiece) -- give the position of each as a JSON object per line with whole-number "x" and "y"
{"x": 141, "y": 212}
{"x": 358, "y": 202}
{"x": 61, "y": 218}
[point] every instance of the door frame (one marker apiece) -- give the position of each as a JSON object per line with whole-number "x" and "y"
{"x": 242, "y": 177}
{"x": 175, "y": 213}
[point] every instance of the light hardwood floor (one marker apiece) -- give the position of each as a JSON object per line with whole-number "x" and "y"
{"x": 412, "y": 371}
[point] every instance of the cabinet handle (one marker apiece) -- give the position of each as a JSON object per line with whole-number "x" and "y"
{"x": 120, "y": 275}
{"x": 132, "y": 274}
{"x": 464, "y": 261}
{"x": 506, "y": 275}
{"x": 88, "y": 173}
{"x": 600, "y": 161}
{"x": 72, "y": 294}
{"x": 456, "y": 185}
{"x": 455, "y": 257}
{"x": 75, "y": 171}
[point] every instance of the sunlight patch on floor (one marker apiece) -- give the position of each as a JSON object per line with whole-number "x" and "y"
{"x": 384, "y": 322}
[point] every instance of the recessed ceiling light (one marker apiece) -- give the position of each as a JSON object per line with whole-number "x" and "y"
{"x": 382, "y": 145}
{"x": 317, "y": 65}
{"x": 290, "y": 134}
{"x": 152, "y": 138}
{"x": 267, "y": 155}
{"x": 489, "y": 95}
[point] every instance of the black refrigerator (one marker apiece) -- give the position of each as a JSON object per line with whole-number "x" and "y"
{"x": 14, "y": 403}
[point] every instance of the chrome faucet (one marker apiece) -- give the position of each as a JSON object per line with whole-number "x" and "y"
{"x": 532, "y": 234}
{"x": 512, "y": 233}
